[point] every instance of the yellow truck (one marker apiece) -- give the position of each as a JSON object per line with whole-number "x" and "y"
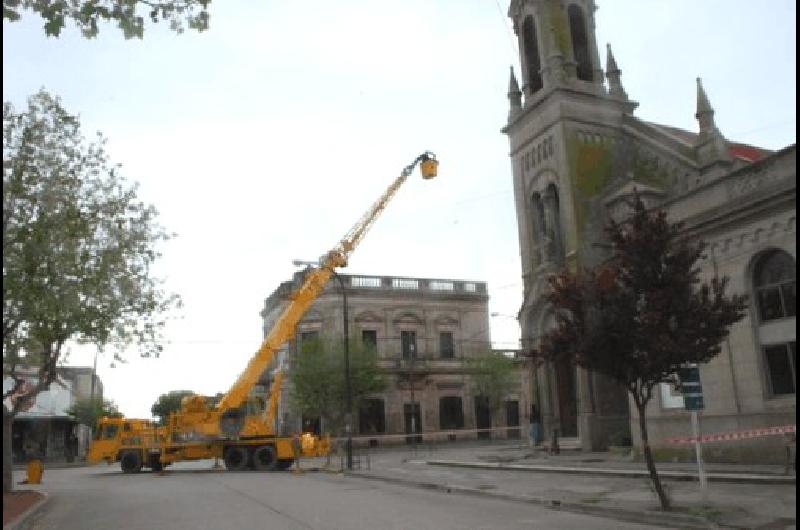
{"x": 240, "y": 428}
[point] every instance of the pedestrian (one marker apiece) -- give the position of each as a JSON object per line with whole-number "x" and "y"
{"x": 536, "y": 426}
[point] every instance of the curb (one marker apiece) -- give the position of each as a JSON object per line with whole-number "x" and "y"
{"x": 22, "y": 521}
{"x": 664, "y": 519}
{"x": 736, "y": 478}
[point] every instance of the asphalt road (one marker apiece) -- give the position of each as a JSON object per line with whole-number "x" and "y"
{"x": 191, "y": 496}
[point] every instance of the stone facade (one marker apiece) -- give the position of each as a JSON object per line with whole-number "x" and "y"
{"x": 577, "y": 153}
{"x": 423, "y": 329}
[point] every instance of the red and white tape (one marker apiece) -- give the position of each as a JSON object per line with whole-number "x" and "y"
{"x": 740, "y": 435}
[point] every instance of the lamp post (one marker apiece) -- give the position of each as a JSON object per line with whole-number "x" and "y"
{"x": 413, "y": 354}
{"x": 348, "y": 390}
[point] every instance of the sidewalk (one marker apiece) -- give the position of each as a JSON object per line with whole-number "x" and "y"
{"x": 604, "y": 484}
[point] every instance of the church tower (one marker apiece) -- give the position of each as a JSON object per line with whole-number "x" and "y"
{"x": 564, "y": 128}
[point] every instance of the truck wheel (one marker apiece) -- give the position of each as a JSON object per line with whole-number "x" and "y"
{"x": 264, "y": 458}
{"x": 131, "y": 462}
{"x": 235, "y": 458}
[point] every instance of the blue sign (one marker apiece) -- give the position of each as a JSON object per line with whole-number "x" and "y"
{"x": 691, "y": 388}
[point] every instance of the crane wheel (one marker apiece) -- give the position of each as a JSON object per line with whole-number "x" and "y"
{"x": 131, "y": 462}
{"x": 235, "y": 458}
{"x": 264, "y": 458}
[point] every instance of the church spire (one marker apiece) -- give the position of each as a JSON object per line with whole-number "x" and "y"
{"x": 514, "y": 96}
{"x": 711, "y": 146}
{"x": 613, "y": 75}
{"x": 704, "y": 114}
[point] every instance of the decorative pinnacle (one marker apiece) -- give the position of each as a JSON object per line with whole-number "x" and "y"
{"x": 611, "y": 63}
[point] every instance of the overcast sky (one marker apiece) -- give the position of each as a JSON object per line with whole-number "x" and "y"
{"x": 265, "y": 138}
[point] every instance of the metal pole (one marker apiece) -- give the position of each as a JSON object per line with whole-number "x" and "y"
{"x": 699, "y": 452}
{"x": 413, "y": 401}
{"x": 347, "y": 383}
{"x": 94, "y": 374}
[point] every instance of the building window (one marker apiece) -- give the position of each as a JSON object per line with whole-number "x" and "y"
{"x": 369, "y": 338}
{"x": 531, "y": 49}
{"x": 446, "y": 345}
{"x": 408, "y": 344}
{"x": 781, "y": 365}
{"x": 451, "y": 413}
{"x": 309, "y": 340}
{"x": 775, "y": 286}
{"x": 580, "y": 44}
{"x": 371, "y": 417}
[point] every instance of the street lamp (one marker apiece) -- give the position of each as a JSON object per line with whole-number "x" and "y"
{"x": 347, "y": 383}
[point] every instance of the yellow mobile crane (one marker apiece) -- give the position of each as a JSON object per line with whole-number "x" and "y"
{"x": 242, "y": 434}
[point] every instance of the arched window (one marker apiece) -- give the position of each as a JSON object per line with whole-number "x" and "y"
{"x": 580, "y": 43}
{"x": 538, "y": 227}
{"x": 553, "y": 215}
{"x": 531, "y": 50}
{"x": 775, "y": 286}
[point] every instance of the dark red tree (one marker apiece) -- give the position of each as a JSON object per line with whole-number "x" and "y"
{"x": 643, "y": 314}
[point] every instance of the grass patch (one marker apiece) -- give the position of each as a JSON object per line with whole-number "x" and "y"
{"x": 706, "y": 512}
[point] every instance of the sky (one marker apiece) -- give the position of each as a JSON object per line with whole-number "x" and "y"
{"x": 265, "y": 138}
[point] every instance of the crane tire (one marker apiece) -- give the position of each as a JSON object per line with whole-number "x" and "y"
{"x": 235, "y": 458}
{"x": 130, "y": 462}
{"x": 285, "y": 463}
{"x": 264, "y": 458}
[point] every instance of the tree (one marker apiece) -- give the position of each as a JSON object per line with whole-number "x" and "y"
{"x": 643, "y": 314}
{"x": 169, "y": 402}
{"x": 88, "y": 411}
{"x": 492, "y": 374}
{"x": 78, "y": 247}
{"x": 317, "y": 374}
{"x": 128, "y": 14}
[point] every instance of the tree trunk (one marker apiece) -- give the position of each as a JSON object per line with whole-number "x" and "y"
{"x": 8, "y": 419}
{"x": 648, "y": 457}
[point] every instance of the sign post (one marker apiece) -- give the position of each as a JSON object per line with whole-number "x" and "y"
{"x": 693, "y": 401}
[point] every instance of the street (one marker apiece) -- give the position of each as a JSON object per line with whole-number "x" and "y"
{"x": 193, "y": 496}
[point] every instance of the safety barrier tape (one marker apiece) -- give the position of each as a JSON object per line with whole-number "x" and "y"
{"x": 739, "y": 435}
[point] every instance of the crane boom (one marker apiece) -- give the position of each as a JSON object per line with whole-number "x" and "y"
{"x": 313, "y": 283}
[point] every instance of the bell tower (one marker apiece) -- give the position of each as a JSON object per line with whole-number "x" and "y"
{"x": 563, "y": 126}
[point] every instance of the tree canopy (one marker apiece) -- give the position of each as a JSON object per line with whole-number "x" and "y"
{"x": 78, "y": 245}
{"x": 88, "y": 411}
{"x": 129, "y": 15}
{"x": 493, "y": 375}
{"x": 167, "y": 403}
{"x": 643, "y": 314}
{"x": 317, "y": 374}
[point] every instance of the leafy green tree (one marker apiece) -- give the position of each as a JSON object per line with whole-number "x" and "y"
{"x": 78, "y": 250}
{"x": 317, "y": 374}
{"x": 643, "y": 314}
{"x": 88, "y": 411}
{"x": 492, "y": 375}
{"x": 130, "y": 15}
{"x": 169, "y": 402}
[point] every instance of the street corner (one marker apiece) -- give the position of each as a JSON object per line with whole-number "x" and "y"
{"x": 19, "y": 506}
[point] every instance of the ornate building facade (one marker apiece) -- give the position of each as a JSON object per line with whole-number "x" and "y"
{"x": 424, "y": 330}
{"x": 577, "y": 153}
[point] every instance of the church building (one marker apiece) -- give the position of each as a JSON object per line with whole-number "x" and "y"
{"x": 578, "y": 152}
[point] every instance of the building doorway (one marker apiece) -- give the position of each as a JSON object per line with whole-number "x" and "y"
{"x": 483, "y": 417}
{"x": 411, "y": 412}
{"x": 512, "y": 419}
{"x": 451, "y": 415}
{"x": 371, "y": 417}
{"x": 567, "y": 399}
